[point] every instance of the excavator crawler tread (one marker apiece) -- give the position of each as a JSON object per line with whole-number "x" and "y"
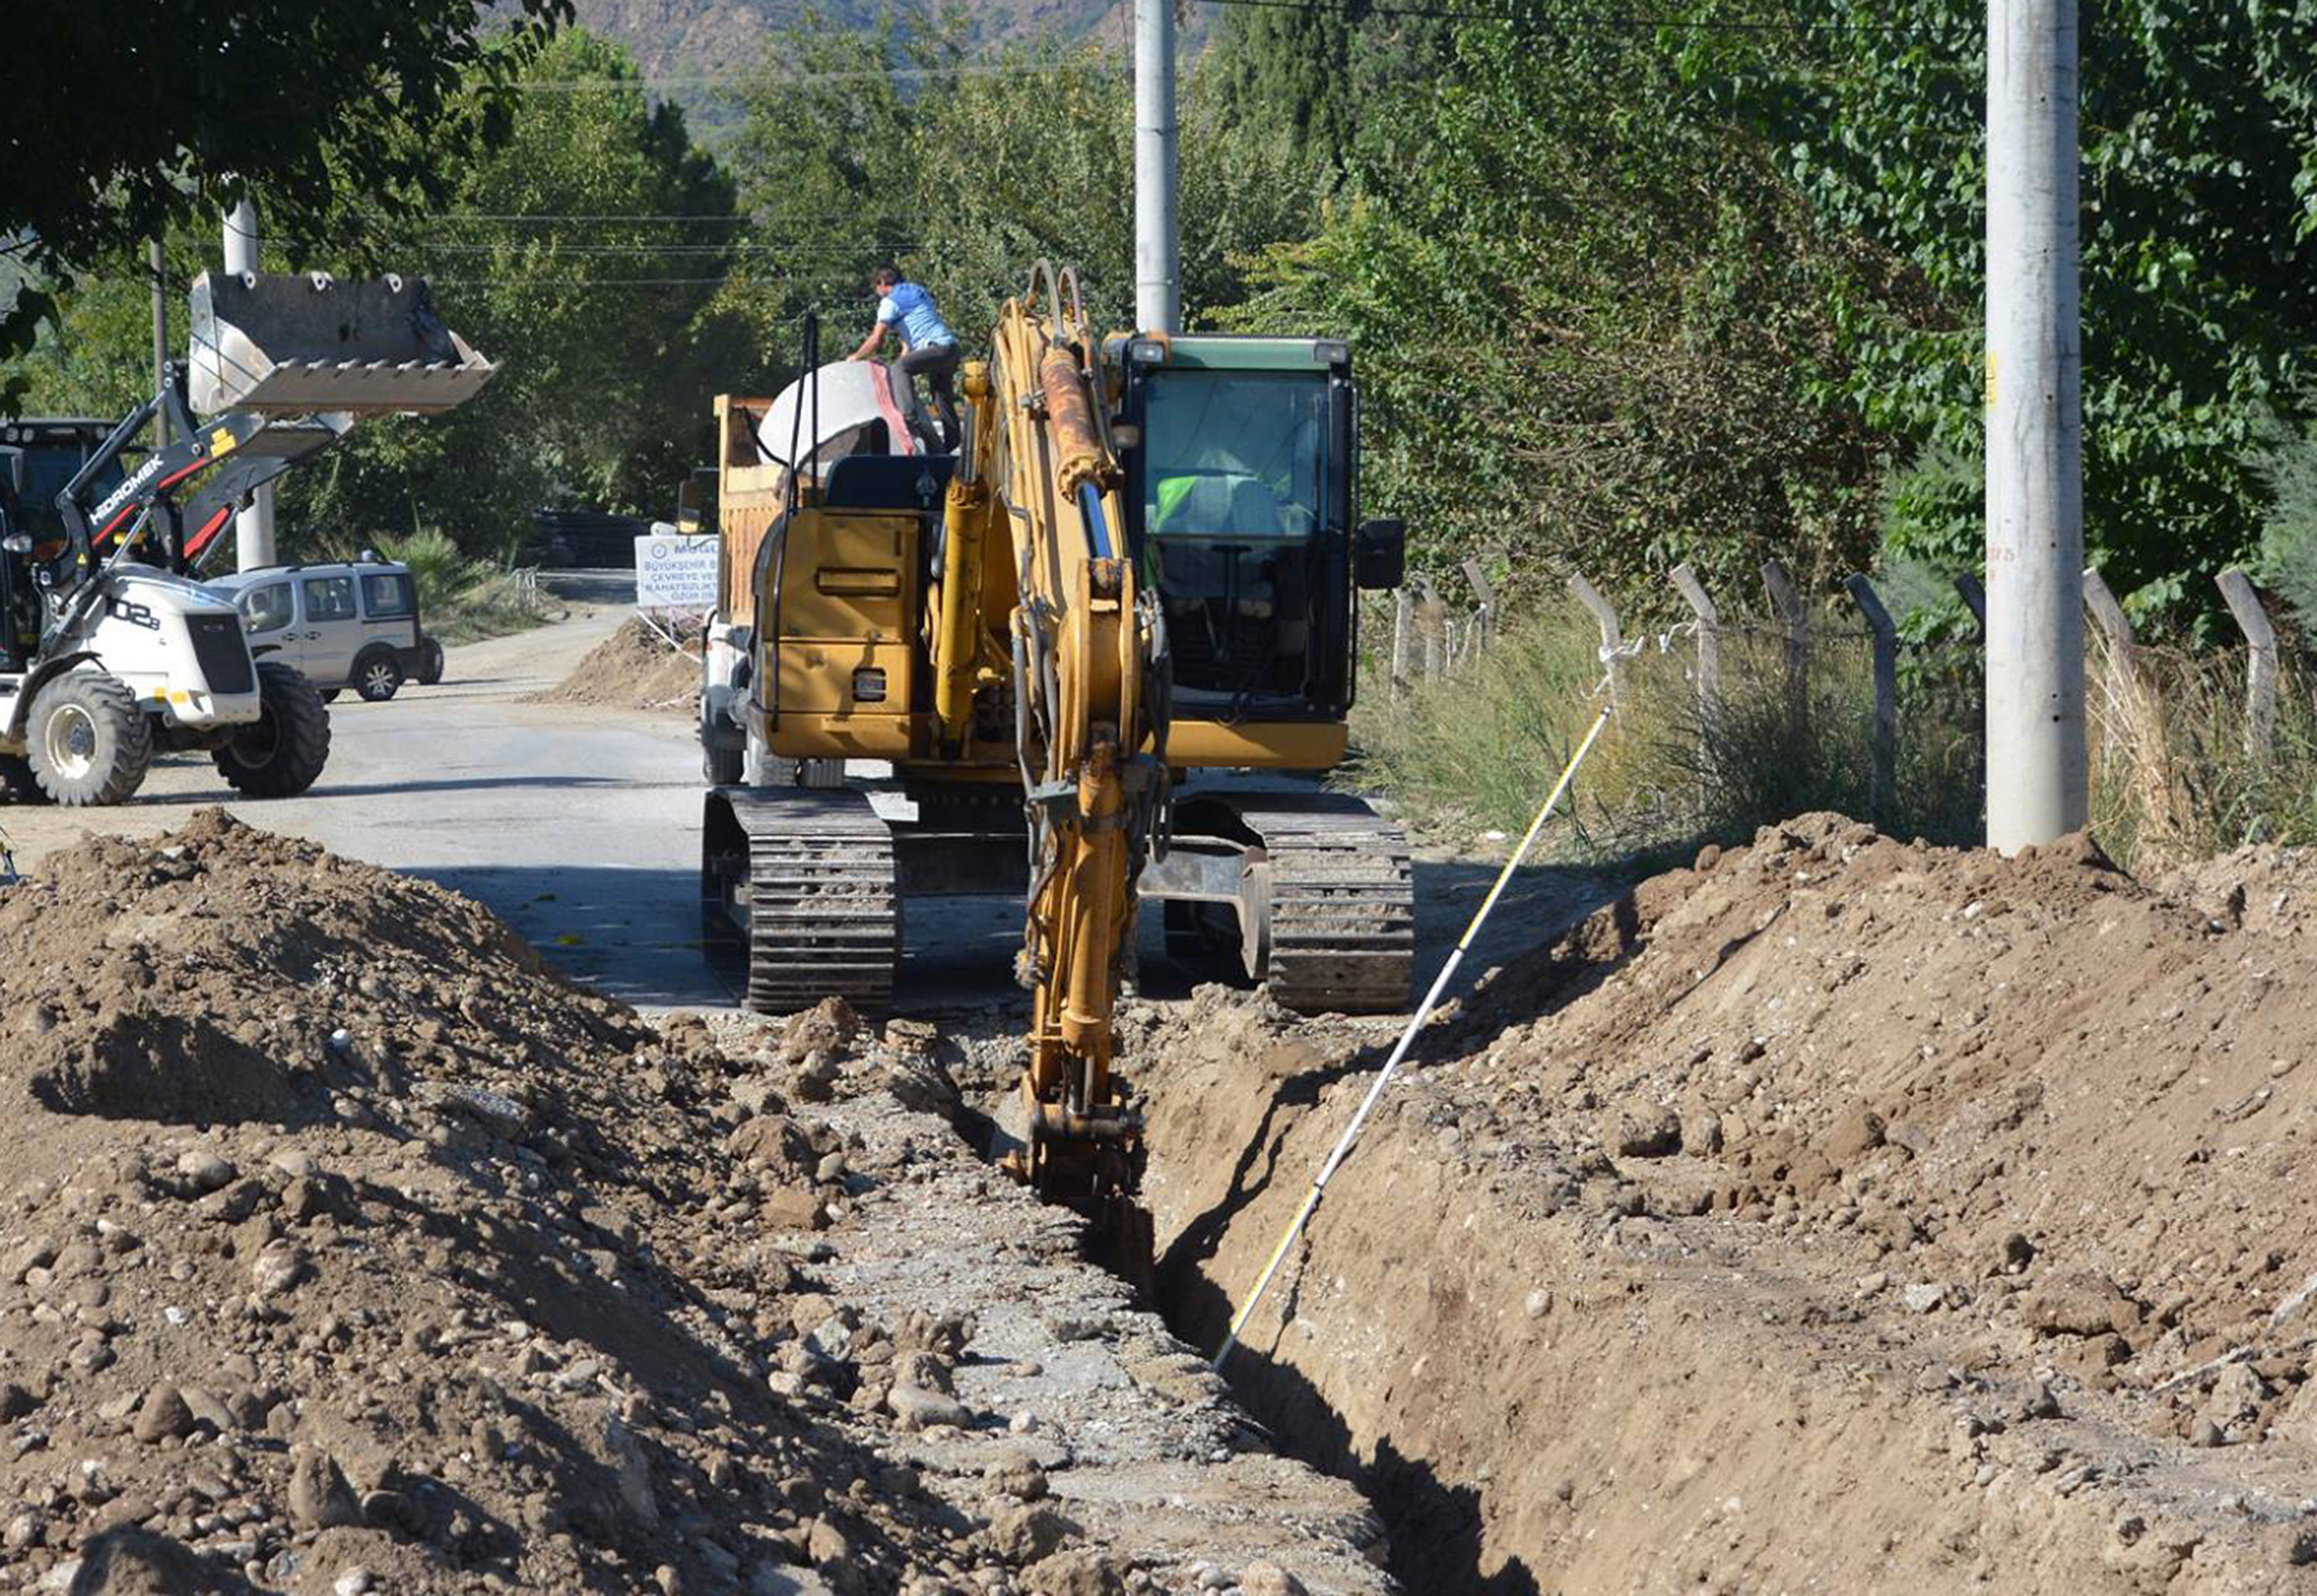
{"x": 1343, "y": 903}
{"x": 821, "y": 907}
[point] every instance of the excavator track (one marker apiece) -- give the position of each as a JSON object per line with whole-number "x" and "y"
{"x": 820, "y": 911}
{"x": 1343, "y": 903}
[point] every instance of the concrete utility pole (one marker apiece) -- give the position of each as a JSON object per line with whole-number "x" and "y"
{"x": 1158, "y": 262}
{"x": 2037, "y": 781}
{"x": 253, "y": 531}
{"x": 160, "y": 336}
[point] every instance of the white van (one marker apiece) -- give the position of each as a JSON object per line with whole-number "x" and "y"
{"x": 349, "y": 625}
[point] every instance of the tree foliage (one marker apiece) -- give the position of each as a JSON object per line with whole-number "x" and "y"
{"x": 124, "y": 116}
{"x": 860, "y": 147}
{"x": 608, "y": 332}
{"x": 1591, "y": 322}
{"x": 2200, "y": 252}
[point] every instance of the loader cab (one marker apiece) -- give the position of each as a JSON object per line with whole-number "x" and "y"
{"x": 1240, "y": 455}
{"x": 37, "y": 456}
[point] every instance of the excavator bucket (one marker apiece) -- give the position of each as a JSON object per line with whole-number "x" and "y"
{"x": 309, "y": 344}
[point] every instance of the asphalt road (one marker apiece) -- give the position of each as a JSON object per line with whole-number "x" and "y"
{"x": 580, "y": 826}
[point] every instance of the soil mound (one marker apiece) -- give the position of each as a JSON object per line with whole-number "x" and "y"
{"x": 1949, "y": 1212}
{"x": 635, "y": 668}
{"x": 346, "y": 1248}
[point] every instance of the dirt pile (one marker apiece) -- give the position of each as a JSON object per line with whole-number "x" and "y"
{"x": 345, "y": 1247}
{"x": 1838, "y": 1209}
{"x": 635, "y": 668}
{"x": 348, "y": 1249}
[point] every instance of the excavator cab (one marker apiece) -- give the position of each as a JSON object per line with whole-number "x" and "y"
{"x": 1241, "y": 473}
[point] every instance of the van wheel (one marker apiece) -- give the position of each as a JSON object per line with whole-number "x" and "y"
{"x": 86, "y": 742}
{"x": 430, "y": 667}
{"x": 378, "y": 677}
{"x": 17, "y": 778}
{"x": 282, "y": 753}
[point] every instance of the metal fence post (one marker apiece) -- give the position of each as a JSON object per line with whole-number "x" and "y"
{"x": 2260, "y": 661}
{"x": 1709, "y": 644}
{"x": 1886, "y": 697}
{"x": 1604, "y": 616}
{"x": 1789, "y": 605}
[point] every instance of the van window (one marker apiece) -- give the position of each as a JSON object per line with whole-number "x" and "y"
{"x": 386, "y": 596}
{"x": 329, "y": 598}
{"x": 268, "y": 607}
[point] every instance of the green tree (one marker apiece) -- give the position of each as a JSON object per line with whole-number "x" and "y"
{"x": 858, "y": 148}
{"x": 2199, "y": 254}
{"x": 1591, "y": 321}
{"x": 123, "y": 116}
{"x": 587, "y": 254}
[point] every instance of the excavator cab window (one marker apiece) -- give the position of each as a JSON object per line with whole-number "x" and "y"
{"x": 1241, "y": 493}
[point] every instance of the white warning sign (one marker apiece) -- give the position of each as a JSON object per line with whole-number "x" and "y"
{"x": 673, "y": 572}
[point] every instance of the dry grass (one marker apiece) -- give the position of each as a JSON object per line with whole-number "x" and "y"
{"x": 1475, "y": 752}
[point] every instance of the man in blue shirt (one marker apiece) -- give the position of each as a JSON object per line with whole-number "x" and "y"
{"x": 928, "y": 347}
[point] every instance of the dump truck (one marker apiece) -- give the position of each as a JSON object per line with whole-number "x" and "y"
{"x": 110, "y": 648}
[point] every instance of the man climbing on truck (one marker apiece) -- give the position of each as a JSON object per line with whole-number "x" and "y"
{"x": 929, "y": 349}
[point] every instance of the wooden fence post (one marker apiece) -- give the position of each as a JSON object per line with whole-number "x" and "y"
{"x": 1886, "y": 696}
{"x": 1604, "y": 616}
{"x": 1403, "y": 618}
{"x": 1789, "y": 605}
{"x": 1709, "y": 644}
{"x": 1974, "y": 599}
{"x": 2260, "y": 661}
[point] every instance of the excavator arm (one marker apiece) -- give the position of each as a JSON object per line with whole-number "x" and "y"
{"x": 1084, "y": 649}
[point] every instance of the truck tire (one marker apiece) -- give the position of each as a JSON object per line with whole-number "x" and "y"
{"x": 87, "y": 741}
{"x": 16, "y": 778}
{"x": 282, "y": 753}
{"x": 378, "y": 676}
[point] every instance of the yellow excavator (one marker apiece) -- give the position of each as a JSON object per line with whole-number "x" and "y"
{"x": 1141, "y": 564}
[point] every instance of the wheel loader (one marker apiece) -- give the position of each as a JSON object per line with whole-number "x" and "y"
{"x": 1141, "y": 565}
{"x": 110, "y": 649}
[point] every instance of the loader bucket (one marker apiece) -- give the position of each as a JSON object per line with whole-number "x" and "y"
{"x": 309, "y": 344}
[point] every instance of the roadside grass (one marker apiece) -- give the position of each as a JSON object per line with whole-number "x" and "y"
{"x": 462, "y": 599}
{"x": 1475, "y": 752}
{"x": 2174, "y": 775}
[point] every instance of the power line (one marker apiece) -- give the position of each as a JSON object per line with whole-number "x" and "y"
{"x": 1576, "y": 24}
{"x": 559, "y": 85}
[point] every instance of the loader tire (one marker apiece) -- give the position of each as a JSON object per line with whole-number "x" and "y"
{"x": 87, "y": 741}
{"x": 16, "y": 778}
{"x": 282, "y": 753}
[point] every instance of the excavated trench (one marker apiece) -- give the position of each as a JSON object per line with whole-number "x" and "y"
{"x": 1732, "y": 1244}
